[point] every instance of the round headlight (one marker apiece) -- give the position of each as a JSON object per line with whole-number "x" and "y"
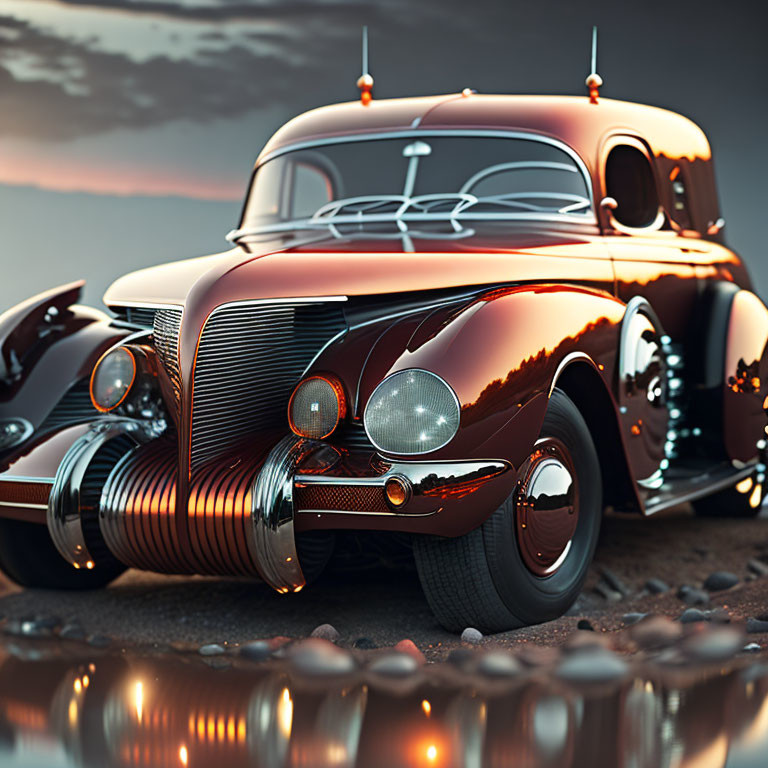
{"x": 412, "y": 411}
{"x": 112, "y": 379}
{"x": 316, "y": 407}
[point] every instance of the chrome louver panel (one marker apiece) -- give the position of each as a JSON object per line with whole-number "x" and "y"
{"x": 249, "y": 359}
{"x": 167, "y": 323}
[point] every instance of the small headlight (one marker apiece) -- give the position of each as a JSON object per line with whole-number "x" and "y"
{"x": 13, "y": 432}
{"x": 316, "y": 407}
{"x": 412, "y": 411}
{"x": 112, "y": 379}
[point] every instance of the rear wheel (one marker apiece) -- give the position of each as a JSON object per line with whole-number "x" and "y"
{"x": 527, "y": 563}
{"x": 28, "y": 557}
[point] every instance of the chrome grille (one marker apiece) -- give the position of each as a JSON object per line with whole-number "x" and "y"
{"x": 249, "y": 359}
{"x": 165, "y": 332}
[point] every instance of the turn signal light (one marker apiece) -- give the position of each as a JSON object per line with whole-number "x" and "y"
{"x": 316, "y": 407}
{"x": 398, "y": 491}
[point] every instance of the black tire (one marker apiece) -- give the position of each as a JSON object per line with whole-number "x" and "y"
{"x": 28, "y": 557}
{"x": 480, "y": 579}
{"x": 315, "y": 549}
{"x": 727, "y": 503}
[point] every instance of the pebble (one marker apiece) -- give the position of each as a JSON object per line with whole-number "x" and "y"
{"x": 656, "y": 586}
{"x": 692, "y": 596}
{"x": 211, "y": 649}
{"x": 320, "y": 657}
{"x": 35, "y": 628}
{"x": 257, "y": 650}
{"x": 720, "y": 580}
{"x": 538, "y": 655}
{"x": 581, "y": 639}
{"x": 692, "y": 615}
{"x": 592, "y": 666}
{"x": 498, "y": 664}
{"x": 752, "y": 648}
{"x": 614, "y": 582}
{"x": 460, "y": 657}
{"x": 632, "y": 618}
{"x": 715, "y": 645}
{"x": 72, "y": 632}
{"x": 472, "y": 636}
{"x": 611, "y": 595}
{"x": 758, "y": 567}
{"x": 326, "y": 632}
{"x": 99, "y": 641}
{"x": 655, "y": 632}
{"x": 719, "y": 616}
{"x": 755, "y": 626}
{"x": 364, "y": 644}
{"x": 394, "y": 665}
{"x": 586, "y": 625}
{"x": 409, "y": 647}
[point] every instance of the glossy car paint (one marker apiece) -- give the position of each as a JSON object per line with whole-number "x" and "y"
{"x": 503, "y": 318}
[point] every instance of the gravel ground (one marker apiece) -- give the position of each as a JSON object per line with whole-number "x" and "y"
{"x": 380, "y": 607}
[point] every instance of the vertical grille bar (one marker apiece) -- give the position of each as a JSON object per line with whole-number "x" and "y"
{"x": 166, "y": 327}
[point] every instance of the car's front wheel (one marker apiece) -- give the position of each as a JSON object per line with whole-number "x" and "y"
{"x": 528, "y": 561}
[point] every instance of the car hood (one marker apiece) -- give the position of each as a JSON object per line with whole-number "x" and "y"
{"x": 357, "y": 266}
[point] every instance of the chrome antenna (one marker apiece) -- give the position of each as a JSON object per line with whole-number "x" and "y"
{"x": 365, "y": 81}
{"x": 594, "y": 81}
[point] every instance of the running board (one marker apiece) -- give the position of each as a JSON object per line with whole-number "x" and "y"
{"x": 679, "y": 490}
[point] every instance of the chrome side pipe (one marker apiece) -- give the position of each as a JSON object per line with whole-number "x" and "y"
{"x": 271, "y": 538}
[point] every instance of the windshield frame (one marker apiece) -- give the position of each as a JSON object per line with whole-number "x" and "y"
{"x": 302, "y": 224}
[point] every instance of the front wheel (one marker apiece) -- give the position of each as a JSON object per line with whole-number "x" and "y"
{"x": 528, "y": 561}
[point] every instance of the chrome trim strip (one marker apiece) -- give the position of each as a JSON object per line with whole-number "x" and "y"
{"x": 145, "y": 304}
{"x": 23, "y": 479}
{"x": 63, "y": 518}
{"x": 22, "y": 505}
{"x": 257, "y": 302}
{"x": 320, "y": 512}
{"x": 270, "y": 536}
{"x": 571, "y": 357}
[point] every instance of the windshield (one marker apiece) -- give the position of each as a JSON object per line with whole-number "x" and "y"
{"x": 408, "y": 182}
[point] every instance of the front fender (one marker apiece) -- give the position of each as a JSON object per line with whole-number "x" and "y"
{"x": 502, "y": 354}
{"x": 47, "y": 344}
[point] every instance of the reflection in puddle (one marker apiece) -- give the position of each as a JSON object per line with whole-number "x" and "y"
{"x": 160, "y": 712}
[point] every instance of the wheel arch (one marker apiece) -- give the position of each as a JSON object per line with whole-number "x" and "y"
{"x": 581, "y": 381}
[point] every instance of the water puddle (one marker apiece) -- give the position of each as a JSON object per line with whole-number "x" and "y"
{"x": 86, "y": 708}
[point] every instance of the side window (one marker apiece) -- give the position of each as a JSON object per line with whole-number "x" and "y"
{"x": 312, "y": 189}
{"x": 680, "y": 198}
{"x": 629, "y": 180}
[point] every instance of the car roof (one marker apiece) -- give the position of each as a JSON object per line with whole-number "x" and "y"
{"x": 570, "y": 119}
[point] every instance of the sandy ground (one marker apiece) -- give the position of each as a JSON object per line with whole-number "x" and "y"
{"x": 385, "y": 605}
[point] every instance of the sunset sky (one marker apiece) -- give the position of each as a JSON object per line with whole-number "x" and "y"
{"x": 128, "y": 127}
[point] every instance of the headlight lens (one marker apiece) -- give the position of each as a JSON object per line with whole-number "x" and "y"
{"x": 412, "y": 411}
{"x": 316, "y": 407}
{"x": 112, "y": 379}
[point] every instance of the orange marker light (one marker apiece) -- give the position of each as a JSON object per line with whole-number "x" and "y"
{"x": 398, "y": 491}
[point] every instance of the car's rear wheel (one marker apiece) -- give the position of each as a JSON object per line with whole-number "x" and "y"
{"x": 527, "y": 563}
{"x": 28, "y": 557}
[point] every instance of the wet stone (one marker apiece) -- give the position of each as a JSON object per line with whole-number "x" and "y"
{"x": 632, "y": 618}
{"x": 592, "y": 666}
{"x": 394, "y": 665}
{"x": 364, "y": 644}
{"x": 715, "y": 645}
{"x": 720, "y": 580}
{"x": 582, "y": 639}
{"x": 471, "y": 635}
{"x": 99, "y": 641}
{"x": 656, "y": 632}
{"x": 257, "y": 650}
{"x": 758, "y": 567}
{"x": 614, "y": 582}
{"x": 318, "y": 657}
{"x": 656, "y": 586}
{"x": 409, "y": 647}
{"x": 718, "y": 616}
{"x": 326, "y": 632}
{"x": 693, "y": 596}
{"x": 611, "y": 595}
{"x": 499, "y": 664}
{"x": 211, "y": 649}
{"x": 755, "y": 626}
{"x": 586, "y": 625}
{"x": 752, "y": 648}
{"x": 460, "y": 657}
{"x": 34, "y": 628}
{"x": 72, "y": 632}
{"x": 692, "y": 616}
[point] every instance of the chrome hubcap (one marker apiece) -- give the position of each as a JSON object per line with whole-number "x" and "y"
{"x": 546, "y": 507}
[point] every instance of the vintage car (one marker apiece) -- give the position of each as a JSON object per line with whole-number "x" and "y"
{"x": 479, "y": 320}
